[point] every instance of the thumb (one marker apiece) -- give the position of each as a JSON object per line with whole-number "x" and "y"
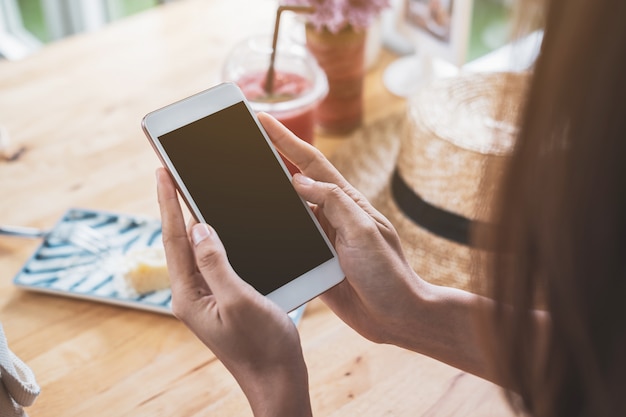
{"x": 212, "y": 261}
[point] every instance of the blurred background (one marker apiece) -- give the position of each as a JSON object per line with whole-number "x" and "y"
{"x": 26, "y": 25}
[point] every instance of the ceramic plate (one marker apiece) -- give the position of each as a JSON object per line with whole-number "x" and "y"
{"x": 64, "y": 269}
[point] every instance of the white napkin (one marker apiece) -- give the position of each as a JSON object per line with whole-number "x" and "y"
{"x": 18, "y": 387}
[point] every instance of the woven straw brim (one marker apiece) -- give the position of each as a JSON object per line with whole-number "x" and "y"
{"x": 441, "y": 147}
{"x": 367, "y": 160}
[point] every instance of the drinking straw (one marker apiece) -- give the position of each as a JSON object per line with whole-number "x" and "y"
{"x": 269, "y": 77}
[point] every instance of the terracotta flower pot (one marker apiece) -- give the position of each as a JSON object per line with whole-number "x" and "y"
{"x": 341, "y": 56}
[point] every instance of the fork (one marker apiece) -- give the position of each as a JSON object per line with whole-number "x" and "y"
{"x": 80, "y": 235}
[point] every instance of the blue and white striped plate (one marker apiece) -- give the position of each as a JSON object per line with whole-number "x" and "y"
{"x": 67, "y": 270}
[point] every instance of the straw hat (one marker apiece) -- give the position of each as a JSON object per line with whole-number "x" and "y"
{"x": 424, "y": 169}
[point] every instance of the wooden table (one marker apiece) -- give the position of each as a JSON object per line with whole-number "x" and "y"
{"x": 76, "y": 107}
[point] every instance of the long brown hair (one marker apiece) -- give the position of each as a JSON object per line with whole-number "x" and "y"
{"x": 561, "y": 245}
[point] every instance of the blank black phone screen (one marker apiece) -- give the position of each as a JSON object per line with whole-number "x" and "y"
{"x": 242, "y": 191}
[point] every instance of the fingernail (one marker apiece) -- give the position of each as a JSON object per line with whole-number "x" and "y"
{"x": 303, "y": 179}
{"x": 199, "y": 233}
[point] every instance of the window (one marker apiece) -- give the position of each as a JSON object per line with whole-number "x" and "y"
{"x": 15, "y": 41}
{"x": 490, "y": 27}
{"x": 27, "y": 24}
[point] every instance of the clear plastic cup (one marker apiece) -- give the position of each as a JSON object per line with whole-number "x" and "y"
{"x": 299, "y": 83}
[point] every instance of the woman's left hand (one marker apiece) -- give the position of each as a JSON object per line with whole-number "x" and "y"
{"x": 256, "y": 341}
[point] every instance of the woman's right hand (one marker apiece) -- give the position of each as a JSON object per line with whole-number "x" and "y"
{"x": 380, "y": 288}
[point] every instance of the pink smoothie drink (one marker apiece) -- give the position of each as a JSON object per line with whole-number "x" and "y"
{"x": 299, "y": 83}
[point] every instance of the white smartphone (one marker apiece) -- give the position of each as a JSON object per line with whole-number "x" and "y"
{"x": 231, "y": 177}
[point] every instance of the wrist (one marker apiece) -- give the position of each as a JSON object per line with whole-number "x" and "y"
{"x": 282, "y": 390}
{"x": 444, "y": 325}
{"x": 419, "y": 311}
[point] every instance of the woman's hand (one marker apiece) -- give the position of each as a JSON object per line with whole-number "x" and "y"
{"x": 256, "y": 341}
{"x": 380, "y": 290}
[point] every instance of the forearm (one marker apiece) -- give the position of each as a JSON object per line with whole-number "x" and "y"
{"x": 448, "y": 324}
{"x": 444, "y": 325}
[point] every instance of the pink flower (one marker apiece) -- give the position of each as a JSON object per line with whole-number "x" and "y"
{"x": 335, "y": 15}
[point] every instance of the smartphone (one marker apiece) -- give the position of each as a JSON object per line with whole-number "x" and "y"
{"x": 230, "y": 176}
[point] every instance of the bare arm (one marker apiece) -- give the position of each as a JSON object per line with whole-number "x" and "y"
{"x": 444, "y": 326}
{"x": 448, "y": 324}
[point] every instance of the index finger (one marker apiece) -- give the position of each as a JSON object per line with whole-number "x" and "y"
{"x": 303, "y": 155}
{"x": 309, "y": 159}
